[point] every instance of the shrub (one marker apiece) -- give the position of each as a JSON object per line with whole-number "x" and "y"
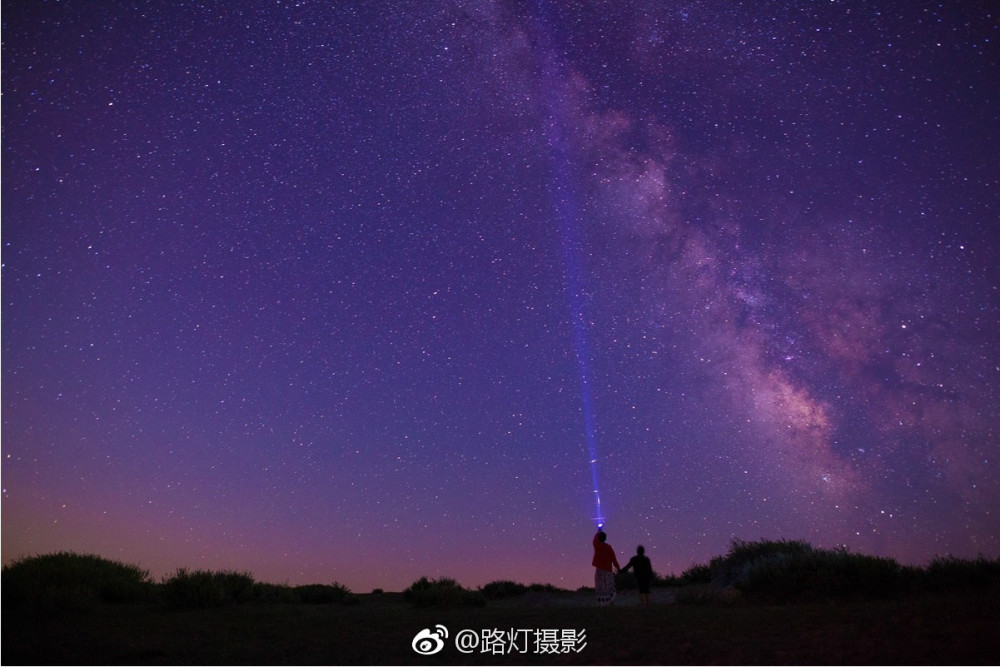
{"x": 793, "y": 571}
{"x": 273, "y": 593}
{"x": 323, "y": 593}
{"x": 442, "y": 592}
{"x": 696, "y": 574}
{"x": 543, "y": 588}
{"x": 820, "y": 575}
{"x": 68, "y": 581}
{"x": 497, "y": 590}
{"x": 743, "y": 557}
{"x": 948, "y": 573}
{"x": 202, "y": 588}
{"x": 626, "y": 581}
{"x": 665, "y": 580}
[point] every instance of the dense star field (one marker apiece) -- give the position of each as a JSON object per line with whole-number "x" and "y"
{"x": 357, "y": 291}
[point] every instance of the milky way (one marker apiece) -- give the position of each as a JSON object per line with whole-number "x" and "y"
{"x": 335, "y": 293}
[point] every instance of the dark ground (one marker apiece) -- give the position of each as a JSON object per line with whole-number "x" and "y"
{"x": 926, "y": 629}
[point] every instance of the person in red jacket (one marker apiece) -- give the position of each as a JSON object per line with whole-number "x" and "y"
{"x": 604, "y": 577}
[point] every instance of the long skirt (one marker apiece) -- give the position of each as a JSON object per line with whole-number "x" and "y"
{"x": 604, "y": 584}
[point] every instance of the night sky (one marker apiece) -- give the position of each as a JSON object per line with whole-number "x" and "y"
{"x": 356, "y": 291}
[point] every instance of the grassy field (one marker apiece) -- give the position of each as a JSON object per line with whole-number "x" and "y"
{"x": 926, "y": 628}
{"x": 764, "y": 602}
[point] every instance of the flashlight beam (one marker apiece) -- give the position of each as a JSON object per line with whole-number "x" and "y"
{"x": 565, "y": 197}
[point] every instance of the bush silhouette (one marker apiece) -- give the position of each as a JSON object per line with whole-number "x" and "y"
{"x": 201, "y": 588}
{"x": 697, "y": 574}
{"x": 794, "y": 571}
{"x": 324, "y": 594}
{"x": 273, "y": 593}
{"x": 947, "y": 573}
{"x": 819, "y": 575}
{"x": 442, "y": 592}
{"x": 497, "y": 590}
{"x": 734, "y": 568}
{"x": 69, "y": 581}
{"x": 626, "y": 581}
{"x": 772, "y": 571}
{"x": 543, "y": 588}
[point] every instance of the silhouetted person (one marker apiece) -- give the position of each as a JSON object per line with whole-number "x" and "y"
{"x": 643, "y": 568}
{"x": 604, "y": 577}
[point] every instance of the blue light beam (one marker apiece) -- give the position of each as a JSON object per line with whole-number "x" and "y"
{"x": 567, "y": 213}
{"x": 578, "y": 323}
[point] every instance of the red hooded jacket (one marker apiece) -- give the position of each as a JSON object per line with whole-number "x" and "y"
{"x": 604, "y": 555}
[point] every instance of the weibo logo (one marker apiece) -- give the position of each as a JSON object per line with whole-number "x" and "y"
{"x": 429, "y": 642}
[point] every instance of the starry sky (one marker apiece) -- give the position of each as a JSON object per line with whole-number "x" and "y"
{"x": 357, "y": 291}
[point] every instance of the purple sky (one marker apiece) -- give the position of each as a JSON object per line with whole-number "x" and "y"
{"x": 331, "y": 291}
